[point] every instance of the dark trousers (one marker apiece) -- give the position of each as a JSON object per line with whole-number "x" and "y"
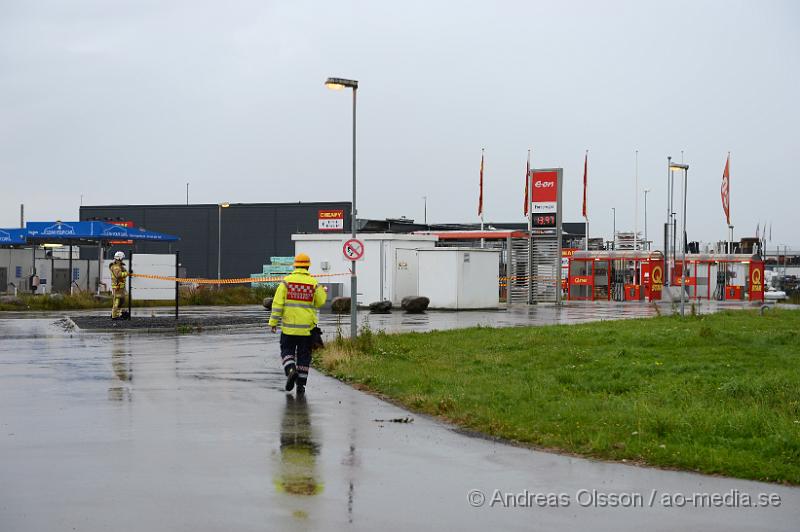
{"x": 296, "y": 352}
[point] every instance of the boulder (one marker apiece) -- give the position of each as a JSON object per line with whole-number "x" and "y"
{"x": 268, "y": 303}
{"x": 57, "y": 297}
{"x": 380, "y": 307}
{"x": 415, "y": 304}
{"x": 340, "y": 305}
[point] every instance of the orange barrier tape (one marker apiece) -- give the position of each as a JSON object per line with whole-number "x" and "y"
{"x": 241, "y": 280}
{"x": 246, "y": 280}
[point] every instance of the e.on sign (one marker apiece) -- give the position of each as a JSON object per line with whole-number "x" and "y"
{"x": 331, "y": 220}
{"x": 544, "y": 191}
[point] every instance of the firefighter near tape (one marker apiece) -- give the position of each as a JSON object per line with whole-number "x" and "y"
{"x": 119, "y": 275}
{"x": 295, "y": 306}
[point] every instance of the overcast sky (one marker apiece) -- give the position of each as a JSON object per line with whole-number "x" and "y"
{"x": 124, "y": 102}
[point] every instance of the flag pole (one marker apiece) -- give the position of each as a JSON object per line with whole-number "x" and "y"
{"x": 730, "y": 223}
{"x": 636, "y": 202}
{"x": 728, "y": 214}
{"x": 483, "y": 242}
{"x": 585, "y": 201}
{"x": 528, "y": 195}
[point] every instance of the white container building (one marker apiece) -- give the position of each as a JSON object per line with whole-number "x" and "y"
{"x": 400, "y": 265}
{"x": 377, "y": 271}
{"x": 459, "y": 278}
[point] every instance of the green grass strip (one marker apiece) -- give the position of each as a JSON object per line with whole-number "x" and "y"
{"x": 718, "y": 394}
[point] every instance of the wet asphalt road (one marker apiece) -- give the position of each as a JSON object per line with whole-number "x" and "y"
{"x": 117, "y": 431}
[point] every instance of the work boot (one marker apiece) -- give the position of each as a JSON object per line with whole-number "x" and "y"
{"x": 291, "y": 377}
{"x": 301, "y": 389}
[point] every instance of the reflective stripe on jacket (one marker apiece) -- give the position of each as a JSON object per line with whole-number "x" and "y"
{"x": 296, "y": 302}
{"x": 118, "y": 275}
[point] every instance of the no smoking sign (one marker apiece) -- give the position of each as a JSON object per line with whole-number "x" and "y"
{"x": 353, "y": 249}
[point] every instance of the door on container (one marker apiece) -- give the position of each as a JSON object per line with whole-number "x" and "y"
{"x": 60, "y": 280}
{"x": 386, "y": 271}
{"x": 716, "y": 276}
{"x": 406, "y": 278}
{"x": 580, "y": 280}
{"x": 702, "y": 274}
{"x": 602, "y": 279}
{"x": 3, "y": 279}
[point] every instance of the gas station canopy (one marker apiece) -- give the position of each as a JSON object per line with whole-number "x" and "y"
{"x": 92, "y": 231}
{"x": 12, "y": 237}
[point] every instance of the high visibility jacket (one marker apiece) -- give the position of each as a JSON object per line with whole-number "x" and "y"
{"x": 118, "y": 275}
{"x": 296, "y": 302}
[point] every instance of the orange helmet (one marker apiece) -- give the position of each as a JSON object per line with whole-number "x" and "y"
{"x": 302, "y": 260}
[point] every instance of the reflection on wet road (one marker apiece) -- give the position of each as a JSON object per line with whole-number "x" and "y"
{"x": 299, "y": 450}
{"x": 132, "y": 432}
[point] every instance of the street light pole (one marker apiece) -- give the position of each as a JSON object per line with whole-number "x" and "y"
{"x": 425, "y": 210}
{"x": 614, "y": 228}
{"x": 685, "y": 168}
{"x": 667, "y": 273}
{"x": 339, "y": 84}
{"x": 646, "y": 242}
{"x": 220, "y": 206}
{"x": 683, "y": 257}
{"x": 354, "y": 278}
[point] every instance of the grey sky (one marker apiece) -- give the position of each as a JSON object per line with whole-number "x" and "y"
{"x": 124, "y": 102}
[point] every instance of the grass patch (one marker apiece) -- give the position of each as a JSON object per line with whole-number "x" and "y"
{"x": 229, "y": 295}
{"x": 716, "y": 393}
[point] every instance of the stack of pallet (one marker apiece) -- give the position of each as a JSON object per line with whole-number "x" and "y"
{"x": 625, "y": 241}
{"x": 277, "y": 267}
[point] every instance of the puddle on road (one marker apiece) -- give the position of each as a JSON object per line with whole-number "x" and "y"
{"x": 299, "y": 448}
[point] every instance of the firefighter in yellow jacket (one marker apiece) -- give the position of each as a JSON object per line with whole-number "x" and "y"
{"x": 118, "y": 277}
{"x": 295, "y": 306}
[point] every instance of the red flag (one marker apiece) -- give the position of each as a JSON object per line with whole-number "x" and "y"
{"x": 725, "y": 191}
{"x": 585, "y": 174}
{"x": 480, "y": 197}
{"x": 527, "y": 182}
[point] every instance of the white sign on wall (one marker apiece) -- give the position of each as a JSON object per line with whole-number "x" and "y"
{"x": 331, "y": 220}
{"x": 150, "y": 264}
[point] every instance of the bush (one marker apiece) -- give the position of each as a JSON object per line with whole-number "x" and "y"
{"x": 228, "y": 295}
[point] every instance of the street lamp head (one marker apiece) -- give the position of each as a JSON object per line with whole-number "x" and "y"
{"x": 224, "y": 204}
{"x": 678, "y": 166}
{"x": 338, "y": 84}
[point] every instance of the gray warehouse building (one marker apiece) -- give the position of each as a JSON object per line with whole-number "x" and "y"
{"x": 254, "y": 232}
{"x": 250, "y": 232}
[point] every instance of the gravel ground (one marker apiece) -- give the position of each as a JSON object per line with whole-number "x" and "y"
{"x": 105, "y": 323}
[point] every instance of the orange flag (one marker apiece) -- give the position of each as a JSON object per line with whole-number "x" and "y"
{"x": 585, "y": 174}
{"x": 725, "y": 191}
{"x": 480, "y": 196}
{"x": 527, "y": 182}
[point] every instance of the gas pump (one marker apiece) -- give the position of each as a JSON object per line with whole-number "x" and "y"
{"x": 719, "y": 289}
{"x": 618, "y": 281}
